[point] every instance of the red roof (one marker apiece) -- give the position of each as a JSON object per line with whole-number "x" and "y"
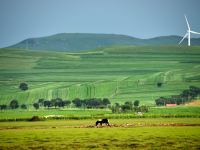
{"x": 170, "y": 105}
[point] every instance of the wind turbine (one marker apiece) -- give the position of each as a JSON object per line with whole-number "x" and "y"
{"x": 188, "y": 33}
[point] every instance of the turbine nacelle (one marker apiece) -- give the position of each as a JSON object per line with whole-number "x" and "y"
{"x": 189, "y": 31}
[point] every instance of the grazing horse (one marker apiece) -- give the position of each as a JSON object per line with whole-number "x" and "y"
{"x": 101, "y": 121}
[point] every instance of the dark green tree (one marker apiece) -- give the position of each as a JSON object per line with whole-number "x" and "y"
{"x": 3, "y": 107}
{"x": 23, "y": 86}
{"x": 128, "y": 106}
{"x": 59, "y": 102}
{"x": 41, "y": 102}
{"x": 47, "y": 103}
{"x": 77, "y": 102}
{"x": 159, "y": 84}
{"x": 53, "y": 102}
{"x": 136, "y": 103}
{"x": 36, "y": 106}
{"x": 14, "y": 104}
{"x": 106, "y": 101}
{"x": 23, "y": 106}
{"x": 66, "y": 103}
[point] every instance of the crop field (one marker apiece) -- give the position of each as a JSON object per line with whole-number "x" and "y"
{"x": 81, "y": 114}
{"x": 173, "y": 133}
{"x": 121, "y": 73}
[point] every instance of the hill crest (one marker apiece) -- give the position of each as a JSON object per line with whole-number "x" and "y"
{"x": 87, "y": 41}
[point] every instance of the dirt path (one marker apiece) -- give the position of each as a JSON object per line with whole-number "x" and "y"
{"x": 103, "y": 126}
{"x": 132, "y": 125}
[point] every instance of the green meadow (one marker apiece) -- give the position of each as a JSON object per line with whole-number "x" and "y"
{"x": 120, "y": 73}
{"x": 81, "y": 114}
{"x": 146, "y": 134}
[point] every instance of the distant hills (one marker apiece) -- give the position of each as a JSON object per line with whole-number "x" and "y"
{"x": 86, "y": 41}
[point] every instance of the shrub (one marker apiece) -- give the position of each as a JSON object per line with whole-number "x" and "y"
{"x": 35, "y": 118}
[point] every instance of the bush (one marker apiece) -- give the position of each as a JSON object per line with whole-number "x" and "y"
{"x": 35, "y": 118}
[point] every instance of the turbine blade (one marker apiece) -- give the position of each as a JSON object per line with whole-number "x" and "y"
{"x": 183, "y": 38}
{"x": 194, "y": 32}
{"x": 187, "y": 23}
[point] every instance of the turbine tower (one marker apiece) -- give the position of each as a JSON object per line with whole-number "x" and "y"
{"x": 188, "y": 33}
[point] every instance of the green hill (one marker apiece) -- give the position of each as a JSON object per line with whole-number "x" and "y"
{"x": 83, "y": 41}
{"x": 120, "y": 73}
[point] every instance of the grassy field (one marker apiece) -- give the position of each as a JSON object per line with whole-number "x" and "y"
{"x": 80, "y": 114}
{"x": 119, "y": 73}
{"x": 74, "y": 135}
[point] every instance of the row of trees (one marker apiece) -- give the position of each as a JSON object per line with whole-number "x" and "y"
{"x": 85, "y": 103}
{"x": 13, "y": 105}
{"x": 129, "y": 106}
{"x": 186, "y": 96}
{"x": 58, "y": 102}
{"x": 91, "y": 103}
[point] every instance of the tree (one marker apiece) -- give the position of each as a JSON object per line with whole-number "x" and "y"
{"x": 14, "y": 104}
{"x": 36, "y": 106}
{"x": 59, "y": 102}
{"x": 77, "y": 102}
{"x": 136, "y": 103}
{"x": 116, "y": 108}
{"x": 127, "y": 106}
{"x": 106, "y": 101}
{"x": 23, "y": 106}
{"x": 3, "y": 107}
{"x": 47, "y": 103}
{"x": 143, "y": 109}
{"x": 53, "y": 102}
{"x": 66, "y": 102}
{"x": 23, "y": 86}
{"x": 159, "y": 84}
{"x": 41, "y": 101}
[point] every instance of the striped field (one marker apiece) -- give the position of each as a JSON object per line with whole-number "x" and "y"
{"x": 122, "y": 73}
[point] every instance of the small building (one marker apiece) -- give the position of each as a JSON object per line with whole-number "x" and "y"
{"x": 171, "y": 105}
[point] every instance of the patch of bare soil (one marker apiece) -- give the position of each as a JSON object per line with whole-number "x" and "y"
{"x": 103, "y": 126}
{"x": 194, "y": 103}
{"x": 130, "y": 125}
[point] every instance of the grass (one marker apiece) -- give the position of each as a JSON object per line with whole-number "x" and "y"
{"x": 120, "y": 73}
{"x": 79, "y": 114}
{"x": 175, "y": 111}
{"x": 69, "y": 113}
{"x": 104, "y": 138}
{"x": 85, "y": 122}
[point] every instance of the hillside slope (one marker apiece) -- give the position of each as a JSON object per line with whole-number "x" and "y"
{"x": 120, "y": 73}
{"x": 83, "y": 41}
